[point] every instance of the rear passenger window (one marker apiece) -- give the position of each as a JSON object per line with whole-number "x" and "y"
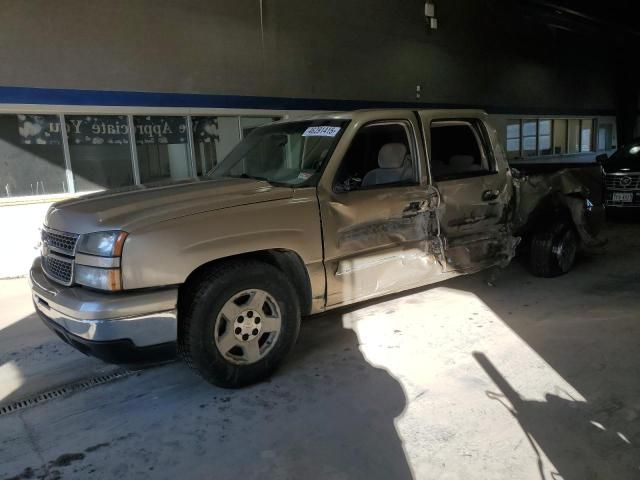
{"x": 379, "y": 154}
{"x": 456, "y": 152}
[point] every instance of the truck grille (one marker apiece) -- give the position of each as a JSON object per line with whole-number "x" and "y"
{"x": 58, "y": 268}
{"x": 58, "y": 250}
{"x": 60, "y": 241}
{"x": 623, "y": 182}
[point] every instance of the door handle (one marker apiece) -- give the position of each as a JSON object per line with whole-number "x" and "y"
{"x": 412, "y": 208}
{"x": 489, "y": 195}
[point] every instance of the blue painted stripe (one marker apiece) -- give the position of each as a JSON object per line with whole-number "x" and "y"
{"x": 57, "y": 96}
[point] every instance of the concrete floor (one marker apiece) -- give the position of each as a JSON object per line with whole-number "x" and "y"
{"x": 531, "y": 379}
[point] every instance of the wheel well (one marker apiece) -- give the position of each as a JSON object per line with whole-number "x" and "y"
{"x": 551, "y": 211}
{"x": 286, "y": 261}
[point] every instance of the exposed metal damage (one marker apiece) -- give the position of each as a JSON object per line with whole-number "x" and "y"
{"x": 576, "y": 189}
{"x": 465, "y": 253}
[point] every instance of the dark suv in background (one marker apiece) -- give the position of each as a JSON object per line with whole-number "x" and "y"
{"x": 622, "y": 176}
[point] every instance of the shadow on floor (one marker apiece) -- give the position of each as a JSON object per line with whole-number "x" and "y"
{"x": 327, "y": 413}
{"x": 33, "y": 360}
{"x": 586, "y": 326}
{"x": 578, "y": 446}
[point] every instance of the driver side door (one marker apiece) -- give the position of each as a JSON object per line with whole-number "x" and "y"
{"x": 375, "y": 205}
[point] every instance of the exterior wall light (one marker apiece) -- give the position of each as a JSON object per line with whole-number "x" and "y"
{"x": 430, "y": 15}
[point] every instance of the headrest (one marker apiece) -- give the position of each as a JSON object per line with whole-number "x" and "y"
{"x": 392, "y": 155}
{"x": 461, "y": 162}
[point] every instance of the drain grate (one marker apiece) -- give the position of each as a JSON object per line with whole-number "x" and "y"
{"x": 63, "y": 391}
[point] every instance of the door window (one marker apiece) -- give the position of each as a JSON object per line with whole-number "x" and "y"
{"x": 456, "y": 152}
{"x": 379, "y": 155}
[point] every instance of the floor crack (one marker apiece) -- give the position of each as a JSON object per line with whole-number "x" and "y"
{"x": 34, "y": 446}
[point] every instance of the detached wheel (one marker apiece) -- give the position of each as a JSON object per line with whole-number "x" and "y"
{"x": 239, "y": 324}
{"x": 553, "y": 253}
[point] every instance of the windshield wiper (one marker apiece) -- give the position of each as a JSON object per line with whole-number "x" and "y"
{"x": 253, "y": 177}
{"x": 264, "y": 179}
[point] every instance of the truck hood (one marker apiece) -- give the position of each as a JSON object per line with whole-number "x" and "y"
{"x": 624, "y": 160}
{"x": 135, "y": 207}
{"x": 621, "y": 164}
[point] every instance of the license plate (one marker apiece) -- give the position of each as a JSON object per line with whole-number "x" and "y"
{"x": 622, "y": 197}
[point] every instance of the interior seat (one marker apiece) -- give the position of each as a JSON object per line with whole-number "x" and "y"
{"x": 394, "y": 166}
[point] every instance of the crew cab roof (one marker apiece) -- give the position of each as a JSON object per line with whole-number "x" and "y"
{"x": 356, "y": 114}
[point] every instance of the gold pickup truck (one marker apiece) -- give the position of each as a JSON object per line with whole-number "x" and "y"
{"x": 301, "y": 217}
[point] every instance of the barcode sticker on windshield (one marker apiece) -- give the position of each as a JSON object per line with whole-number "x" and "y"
{"x": 323, "y": 131}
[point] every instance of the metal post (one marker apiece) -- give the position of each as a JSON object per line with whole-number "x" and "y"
{"x": 240, "y": 137}
{"x": 134, "y": 150}
{"x": 521, "y": 134}
{"x": 192, "y": 153}
{"x": 67, "y": 157}
{"x": 203, "y": 160}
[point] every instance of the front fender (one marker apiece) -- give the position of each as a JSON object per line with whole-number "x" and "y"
{"x": 167, "y": 252}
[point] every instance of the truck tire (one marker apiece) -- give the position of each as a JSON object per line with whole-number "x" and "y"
{"x": 553, "y": 253}
{"x": 239, "y": 323}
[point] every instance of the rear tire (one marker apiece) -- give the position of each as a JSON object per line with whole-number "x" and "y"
{"x": 553, "y": 253}
{"x": 239, "y": 323}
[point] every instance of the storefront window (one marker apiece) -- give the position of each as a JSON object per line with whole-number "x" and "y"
{"x": 162, "y": 147}
{"x": 31, "y": 156}
{"x": 574, "y": 136}
{"x": 605, "y": 136}
{"x": 530, "y": 137}
{"x": 586, "y": 135}
{"x": 544, "y": 137}
{"x": 213, "y": 139}
{"x": 513, "y": 138}
{"x": 99, "y": 150}
{"x": 559, "y": 137}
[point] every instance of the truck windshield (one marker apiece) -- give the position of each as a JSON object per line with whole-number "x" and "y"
{"x": 290, "y": 153}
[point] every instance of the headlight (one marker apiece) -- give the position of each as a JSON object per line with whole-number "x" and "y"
{"x": 97, "y": 263}
{"x": 103, "y": 244}
{"x": 100, "y": 278}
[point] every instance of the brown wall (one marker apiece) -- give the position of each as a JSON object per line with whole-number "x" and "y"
{"x": 344, "y": 49}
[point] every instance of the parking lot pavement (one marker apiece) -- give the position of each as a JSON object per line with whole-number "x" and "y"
{"x": 529, "y": 379}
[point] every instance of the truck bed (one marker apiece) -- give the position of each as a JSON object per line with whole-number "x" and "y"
{"x": 589, "y": 173}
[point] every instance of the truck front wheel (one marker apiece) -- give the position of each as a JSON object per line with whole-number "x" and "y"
{"x": 553, "y": 253}
{"x": 239, "y": 323}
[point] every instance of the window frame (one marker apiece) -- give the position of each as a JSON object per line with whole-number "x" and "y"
{"x": 550, "y": 135}
{"x": 513, "y": 154}
{"x": 410, "y": 131}
{"x": 593, "y": 145}
{"x": 536, "y": 136}
{"x": 593, "y": 130}
{"x": 480, "y": 133}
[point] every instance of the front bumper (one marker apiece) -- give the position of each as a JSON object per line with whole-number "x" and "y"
{"x": 121, "y": 327}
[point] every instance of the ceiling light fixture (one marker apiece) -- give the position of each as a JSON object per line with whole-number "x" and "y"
{"x": 430, "y": 15}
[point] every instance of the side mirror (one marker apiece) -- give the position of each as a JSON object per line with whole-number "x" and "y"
{"x": 602, "y": 158}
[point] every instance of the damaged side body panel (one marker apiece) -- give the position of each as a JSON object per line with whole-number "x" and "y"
{"x": 391, "y": 238}
{"x": 379, "y": 252}
{"x": 379, "y": 240}
{"x": 475, "y": 211}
